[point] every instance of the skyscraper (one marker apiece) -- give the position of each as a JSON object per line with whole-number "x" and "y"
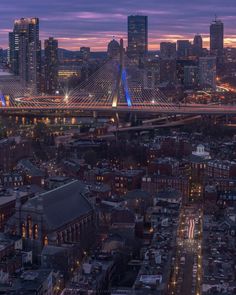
{"x": 197, "y": 45}
{"x": 183, "y": 48}
{"x": 25, "y": 52}
{"x": 51, "y": 65}
{"x": 217, "y": 39}
{"x": 167, "y": 50}
{"x": 137, "y": 35}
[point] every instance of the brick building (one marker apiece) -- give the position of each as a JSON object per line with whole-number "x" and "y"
{"x": 127, "y": 180}
{"x": 11, "y": 151}
{"x": 155, "y": 183}
{"x": 164, "y": 166}
{"x": 221, "y": 169}
{"x": 62, "y": 215}
{"x": 8, "y": 201}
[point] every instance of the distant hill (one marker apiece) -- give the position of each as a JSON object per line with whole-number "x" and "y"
{"x": 69, "y": 54}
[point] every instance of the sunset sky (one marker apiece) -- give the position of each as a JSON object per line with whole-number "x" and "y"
{"x": 93, "y": 23}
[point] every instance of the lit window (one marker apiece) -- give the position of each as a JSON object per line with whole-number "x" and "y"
{"x": 23, "y": 231}
{"x": 29, "y": 226}
{"x": 45, "y": 241}
{"x": 36, "y": 233}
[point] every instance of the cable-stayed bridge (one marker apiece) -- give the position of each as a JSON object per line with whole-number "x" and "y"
{"x": 118, "y": 86}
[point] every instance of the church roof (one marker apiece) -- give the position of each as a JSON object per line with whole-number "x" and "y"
{"x": 62, "y": 205}
{"x": 114, "y": 43}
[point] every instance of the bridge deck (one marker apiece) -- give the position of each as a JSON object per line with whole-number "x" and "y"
{"x": 185, "y": 110}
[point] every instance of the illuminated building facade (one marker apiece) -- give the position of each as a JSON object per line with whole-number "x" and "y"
{"x": 68, "y": 71}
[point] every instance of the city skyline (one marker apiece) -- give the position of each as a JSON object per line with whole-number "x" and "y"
{"x": 94, "y": 25}
{"x": 118, "y": 157}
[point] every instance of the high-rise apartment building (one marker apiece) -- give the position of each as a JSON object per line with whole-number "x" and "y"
{"x": 51, "y": 65}
{"x": 137, "y": 35}
{"x": 25, "y": 52}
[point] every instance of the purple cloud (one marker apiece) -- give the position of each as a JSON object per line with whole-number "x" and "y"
{"x": 93, "y": 23}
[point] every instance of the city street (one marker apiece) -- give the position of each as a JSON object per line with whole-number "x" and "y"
{"x": 187, "y": 267}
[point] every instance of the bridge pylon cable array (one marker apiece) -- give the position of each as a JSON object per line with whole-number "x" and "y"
{"x": 117, "y": 84}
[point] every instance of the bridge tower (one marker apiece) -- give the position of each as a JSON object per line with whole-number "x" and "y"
{"x": 121, "y": 82}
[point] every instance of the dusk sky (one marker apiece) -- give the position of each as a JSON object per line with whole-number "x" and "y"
{"x": 93, "y": 23}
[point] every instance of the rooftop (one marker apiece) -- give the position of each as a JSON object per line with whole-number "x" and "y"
{"x": 63, "y": 204}
{"x": 9, "y": 195}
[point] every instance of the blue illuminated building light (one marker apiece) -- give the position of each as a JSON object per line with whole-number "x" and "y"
{"x": 2, "y": 99}
{"x": 126, "y": 89}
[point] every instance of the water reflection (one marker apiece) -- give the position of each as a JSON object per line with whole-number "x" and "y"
{"x": 24, "y": 120}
